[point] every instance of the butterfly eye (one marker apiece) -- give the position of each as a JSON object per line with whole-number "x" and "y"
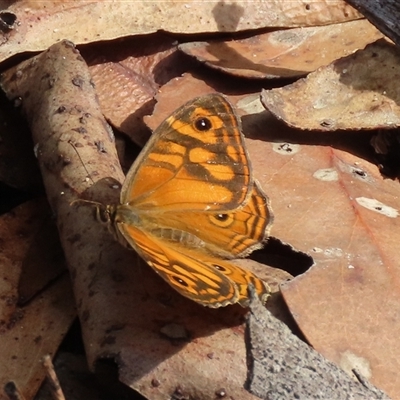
{"x": 203, "y": 124}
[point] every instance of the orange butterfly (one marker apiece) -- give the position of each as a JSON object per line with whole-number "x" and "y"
{"x": 189, "y": 202}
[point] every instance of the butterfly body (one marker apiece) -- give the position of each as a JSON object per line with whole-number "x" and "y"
{"x": 189, "y": 202}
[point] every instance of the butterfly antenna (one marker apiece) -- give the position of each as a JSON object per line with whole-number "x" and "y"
{"x": 80, "y": 158}
{"x": 77, "y": 201}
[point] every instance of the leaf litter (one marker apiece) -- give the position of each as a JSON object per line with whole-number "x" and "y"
{"x": 284, "y": 53}
{"x": 39, "y": 24}
{"x": 355, "y": 92}
{"x": 329, "y": 200}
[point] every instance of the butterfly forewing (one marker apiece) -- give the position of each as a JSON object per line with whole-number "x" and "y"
{"x": 195, "y": 160}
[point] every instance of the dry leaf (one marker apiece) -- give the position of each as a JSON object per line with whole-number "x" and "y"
{"x": 356, "y": 92}
{"x": 284, "y": 53}
{"x": 353, "y": 286}
{"x": 282, "y": 366}
{"x": 34, "y": 331}
{"x": 337, "y": 208}
{"x": 39, "y": 24}
{"x": 128, "y": 75}
{"x": 33, "y": 265}
{"x": 28, "y": 331}
{"x": 179, "y": 91}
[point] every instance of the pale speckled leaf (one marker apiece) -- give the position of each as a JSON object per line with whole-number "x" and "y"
{"x": 357, "y": 92}
{"x": 284, "y": 53}
{"x": 39, "y": 24}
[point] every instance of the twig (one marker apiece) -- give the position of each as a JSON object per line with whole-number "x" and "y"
{"x": 12, "y": 391}
{"x": 55, "y": 387}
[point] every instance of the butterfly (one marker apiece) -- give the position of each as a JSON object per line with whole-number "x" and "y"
{"x": 189, "y": 203}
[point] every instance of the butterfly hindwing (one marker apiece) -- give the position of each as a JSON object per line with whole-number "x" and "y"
{"x": 200, "y": 277}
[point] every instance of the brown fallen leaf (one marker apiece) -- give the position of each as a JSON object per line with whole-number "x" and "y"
{"x": 30, "y": 270}
{"x": 356, "y": 92}
{"x": 39, "y": 24}
{"x": 283, "y": 366}
{"x": 284, "y": 53}
{"x": 337, "y": 208}
{"x": 33, "y": 266}
{"x": 190, "y": 85}
{"x": 185, "y": 88}
{"x": 354, "y": 322}
{"x": 38, "y": 329}
{"x": 128, "y": 74}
